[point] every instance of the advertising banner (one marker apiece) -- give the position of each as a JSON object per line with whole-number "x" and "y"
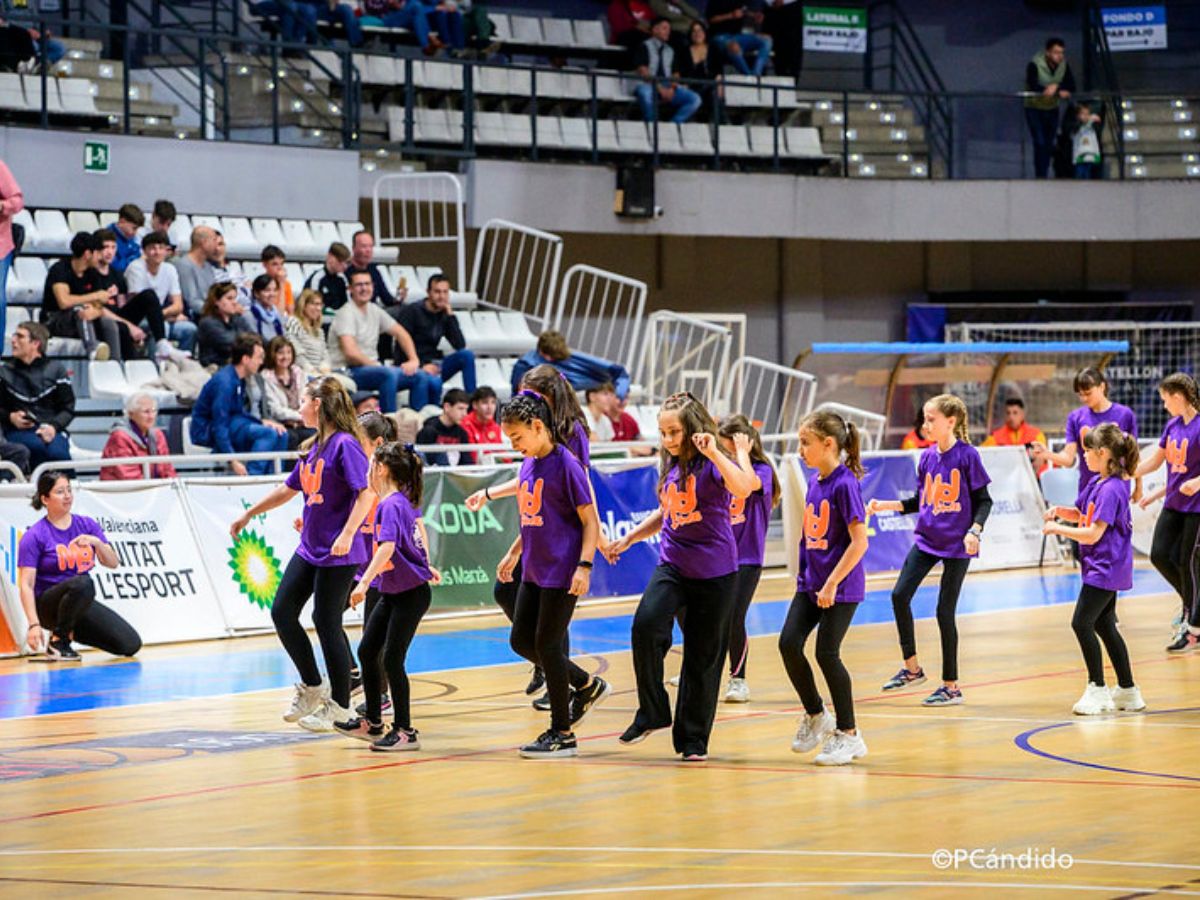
{"x": 625, "y": 498}
{"x": 835, "y": 29}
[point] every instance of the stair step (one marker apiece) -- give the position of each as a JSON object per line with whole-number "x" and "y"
{"x": 95, "y": 69}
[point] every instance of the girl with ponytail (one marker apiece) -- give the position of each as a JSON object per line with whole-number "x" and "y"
{"x": 1103, "y": 527}
{"x": 953, "y": 502}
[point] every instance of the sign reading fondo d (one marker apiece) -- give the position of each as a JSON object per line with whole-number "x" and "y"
{"x": 1130, "y": 28}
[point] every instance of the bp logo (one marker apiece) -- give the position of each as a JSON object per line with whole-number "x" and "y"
{"x": 255, "y": 567}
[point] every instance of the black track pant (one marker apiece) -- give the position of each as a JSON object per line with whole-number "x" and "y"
{"x": 372, "y": 599}
{"x": 1177, "y": 558}
{"x": 831, "y": 625}
{"x": 328, "y": 586}
{"x": 917, "y": 565}
{"x": 70, "y": 609}
{"x": 1096, "y": 617}
{"x": 505, "y": 595}
{"x": 739, "y": 646}
{"x": 540, "y": 620}
{"x": 143, "y": 307}
{"x": 386, "y": 638}
{"x": 708, "y": 604}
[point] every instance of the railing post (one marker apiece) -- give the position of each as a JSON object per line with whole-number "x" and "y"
{"x": 533, "y": 113}
{"x": 775, "y": 121}
{"x": 203, "y": 91}
{"x": 469, "y": 110}
{"x": 410, "y": 101}
{"x": 274, "y": 84}
{"x": 126, "y": 62}
{"x": 225, "y": 95}
{"x": 43, "y": 75}
{"x": 593, "y": 113}
{"x": 845, "y": 134}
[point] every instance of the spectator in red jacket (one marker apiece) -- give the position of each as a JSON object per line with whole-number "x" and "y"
{"x": 480, "y": 423}
{"x": 137, "y": 437}
{"x": 629, "y": 22}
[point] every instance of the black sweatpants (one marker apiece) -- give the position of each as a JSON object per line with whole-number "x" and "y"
{"x": 505, "y": 595}
{"x": 831, "y": 624}
{"x": 372, "y": 599}
{"x": 739, "y": 647}
{"x": 70, "y": 609}
{"x": 1096, "y": 615}
{"x": 917, "y": 565}
{"x": 1174, "y": 553}
{"x": 708, "y": 604}
{"x": 386, "y": 638}
{"x": 141, "y": 307}
{"x": 540, "y": 620}
{"x": 328, "y": 586}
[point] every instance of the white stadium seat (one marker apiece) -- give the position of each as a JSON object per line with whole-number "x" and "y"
{"x": 76, "y": 96}
{"x": 82, "y": 220}
{"x": 25, "y": 219}
{"x": 347, "y": 230}
{"x": 180, "y": 232}
{"x": 590, "y": 33}
{"x": 53, "y": 234}
{"x": 27, "y": 280}
{"x": 213, "y": 222}
{"x": 33, "y": 94}
{"x": 140, "y": 372}
{"x": 106, "y": 380}
{"x": 557, "y": 32}
{"x": 12, "y": 95}
{"x": 240, "y": 241}
{"x": 268, "y": 232}
{"x": 299, "y": 240}
{"x": 295, "y": 277}
{"x": 633, "y": 137}
{"x": 325, "y": 233}
{"x": 108, "y": 217}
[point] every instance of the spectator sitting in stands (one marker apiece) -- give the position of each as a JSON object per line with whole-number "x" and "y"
{"x": 282, "y": 382}
{"x": 195, "y": 268}
{"x": 137, "y": 436}
{"x": 734, "y": 25}
{"x": 308, "y": 337}
{"x": 221, "y": 321}
{"x": 365, "y": 402}
{"x": 37, "y": 402}
{"x": 655, "y": 61}
{"x": 12, "y": 201}
{"x": 221, "y": 274}
{"x": 430, "y": 321}
{"x": 1085, "y": 143}
{"x": 447, "y": 21}
{"x": 269, "y": 322}
{"x": 330, "y": 281}
{"x": 162, "y": 217}
{"x": 223, "y": 418}
{"x": 629, "y": 22}
{"x": 480, "y": 423}
{"x": 129, "y": 247}
{"x": 699, "y": 62}
{"x": 601, "y": 402}
{"x": 126, "y": 310}
{"x": 581, "y": 370}
{"x": 626, "y": 428}
{"x": 1016, "y": 432}
{"x": 153, "y": 273}
{"x": 915, "y": 439}
{"x": 362, "y": 255}
{"x": 73, "y": 300}
{"x": 292, "y": 17}
{"x": 680, "y": 14}
{"x": 331, "y": 12}
{"x": 22, "y": 46}
{"x": 17, "y": 454}
{"x": 353, "y": 345}
{"x": 410, "y": 14}
{"x": 275, "y": 264}
{"x": 1049, "y": 77}
{"x": 447, "y": 429}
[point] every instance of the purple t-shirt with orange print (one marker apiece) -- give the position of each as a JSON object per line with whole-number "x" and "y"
{"x": 697, "y": 537}
{"x": 48, "y": 550}
{"x": 946, "y": 481}
{"x": 832, "y": 504}
{"x": 750, "y": 517}
{"x": 1082, "y": 420}
{"x": 550, "y": 491}
{"x": 1181, "y": 446}
{"x": 331, "y": 476}
{"x": 1108, "y": 563}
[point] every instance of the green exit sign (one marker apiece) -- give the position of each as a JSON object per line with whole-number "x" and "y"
{"x": 96, "y": 157}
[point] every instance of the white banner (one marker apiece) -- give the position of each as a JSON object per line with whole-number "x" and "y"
{"x": 1144, "y": 520}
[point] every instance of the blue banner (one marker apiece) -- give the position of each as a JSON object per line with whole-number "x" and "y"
{"x": 625, "y": 498}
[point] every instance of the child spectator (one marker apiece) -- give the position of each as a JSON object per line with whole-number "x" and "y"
{"x": 480, "y": 423}
{"x": 447, "y": 428}
{"x": 1085, "y": 143}
{"x": 130, "y": 218}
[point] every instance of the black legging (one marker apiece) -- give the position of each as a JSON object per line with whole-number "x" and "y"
{"x": 708, "y": 604}
{"x": 1174, "y": 553}
{"x": 386, "y": 638}
{"x": 372, "y": 599}
{"x": 540, "y": 619}
{"x": 917, "y": 565}
{"x": 1096, "y": 614}
{"x": 803, "y": 616}
{"x": 739, "y": 646}
{"x": 505, "y": 595}
{"x": 70, "y": 609}
{"x": 328, "y": 586}
{"x": 142, "y": 307}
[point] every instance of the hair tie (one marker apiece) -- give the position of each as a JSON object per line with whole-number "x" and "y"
{"x": 411, "y": 448}
{"x": 563, "y": 376}
{"x": 528, "y": 393}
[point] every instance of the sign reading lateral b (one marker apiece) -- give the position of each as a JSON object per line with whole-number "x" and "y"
{"x": 835, "y": 29}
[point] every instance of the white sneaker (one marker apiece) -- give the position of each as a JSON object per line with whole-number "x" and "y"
{"x": 1128, "y": 699}
{"x": 673, "y": 681}
{"x": 738, "y": 691}
{"x": 1095, "y": 701}
{"x": 306, "y": 700}
{"x": 813, "y": 730}
{"x": 841, "y": 749}
{"x": 101, "y": 352}
{"x": 323, "y": 718}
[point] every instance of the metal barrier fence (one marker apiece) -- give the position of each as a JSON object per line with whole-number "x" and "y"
{"x": 684, "y": 353}
{"x": 774, "y": 397}
{"x": 421, "y": 208}
{"x": 601, "y": 312}
{"x": 516, "y": 267}
{"x": 871, "y": 426}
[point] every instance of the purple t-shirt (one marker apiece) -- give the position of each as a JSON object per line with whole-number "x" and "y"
{"x": 697, "y": 537}
{"x": 1082, "y": 420}
{"x": 366, "y": 537}
{"x": 551, "y": 490}
{"x": 331, "y": 477}
{"x": 396, "y": 521}
{"x": 48, "y": 550}
{"x": 832, "y": 504}
{"x": 750, "y": 517}
{"x": 1181, "y": 445}
{"x": 580, "y": 445}
{"x": 1108, "y": 563}
{"x": 946, "y": 481}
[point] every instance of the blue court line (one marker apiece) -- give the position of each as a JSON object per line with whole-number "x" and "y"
{"x": 43, "y": 689}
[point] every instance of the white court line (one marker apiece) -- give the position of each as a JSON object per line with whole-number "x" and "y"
{"x": 776, "y": 885}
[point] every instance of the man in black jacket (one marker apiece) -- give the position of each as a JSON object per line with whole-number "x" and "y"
{"x": 428, "y": 322}
{"x": 330, "y": 280}
{"x": 37, "y": 402}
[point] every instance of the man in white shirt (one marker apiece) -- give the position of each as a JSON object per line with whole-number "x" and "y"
{"x": 151, "y": 273}
{"x": 601, "y": 399}
{"x": 354, "y": 342}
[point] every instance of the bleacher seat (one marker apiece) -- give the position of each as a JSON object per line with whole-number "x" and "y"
{"x": 489, "y": 372}
{"x": 252, "y": 268}
{"x": 267, "y": 231}
{"x": 440, "y": 76}
{"x": 140, "y": 372}
{"x": 240, "y": 241}
{"x": 17, "y": 315}
{"x": 576, "y": 134}
{"x": 557, "y": 32}
{"x": 804, "y": 143}
{"x": 633, "y": 137}
{"x": 33, "y": 94}
{"x": 526, "y": 29}
{"x": 53, "y": 234}
{"x": 606, "y": 136}
{"x": 324, "y": 233}
{"x": 382, "y": 70}
{"x": 180, "y": 232}
{"x": 106, "y": 380}
{"x": 108, "y": 217}
{"x": 734, "y": 141}
{"x": 25, "y": 219}
{"x": 347, "y": 230}
{"x": 295, "y": 277}
{"x": 516, "y": 330}
{"x": 590, "y": 33}
{"x": 82, "y": 220}
{"x": 549, "y": 132}
{"x": 697, "y": 138}
{"x": 416, "y": 290}
{"x": 76, "y": 97}
{"x": 12, "y": 94}
{"x": 27, "y": 280}
{"x": 502, "y": 27}
{"x": 189, "y": 448}
{"x": 492, "y": 80}
{"x": 489, "y": 129}
{"x": 299, "y": 240}
{"x": 669, "y": 141}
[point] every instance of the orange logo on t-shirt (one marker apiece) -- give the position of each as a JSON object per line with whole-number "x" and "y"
{"x": 1176, "y": 453}
{"x": 816, "y": 527}
{"x": 679, "y": 507}
{"x": 1083, "y": 433}
{"x": 368, "y": 525}
{"x": 530, "y": 504}
{"x": 942, "y": 496}
{"x": 737, "y": 511}
{"x": 310, "y": 482}
{"x": 1089, "y": 516}
{"x": 76, "y": 557}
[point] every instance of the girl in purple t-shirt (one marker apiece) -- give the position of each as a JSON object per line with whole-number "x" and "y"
{"x": 559, "y": 531}
{"x": 54, "y": 562}
{"x": 332, "y": 475}
{"x": 1174, "y": 549}
{"x": 400, "y": 574}
{"x": 1104, "y": 530}
{"x": 954, "y": 504}
{"x": 696, "y": 574}
{"x": 749, "y": 517}
{"x": 830, "y": 585}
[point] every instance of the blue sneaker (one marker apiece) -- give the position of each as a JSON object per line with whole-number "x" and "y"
{"x": 944, "y": 696}
{"x": 905, "y": 678}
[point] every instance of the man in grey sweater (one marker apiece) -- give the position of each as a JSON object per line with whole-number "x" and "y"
{"x": 196, "y": 272}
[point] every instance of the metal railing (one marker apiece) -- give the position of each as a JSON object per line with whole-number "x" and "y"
{"x": 516, "y": 268}
{"x": 871, "y": 426}
{"x": 773, "y": 397}
{"x": 421, "y": 208}
{"x": 684, "y": 353}
{"x": 601, "y": 312}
